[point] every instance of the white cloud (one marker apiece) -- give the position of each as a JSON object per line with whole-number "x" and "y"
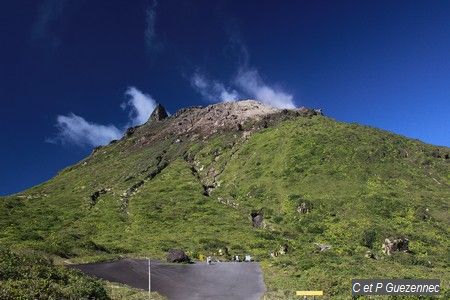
{"x": 247, "y": 81}
{"x": 250, "y": 82}
{"x": 74, "y": 129}
{"x": 141, "y": 106}
{"x": 213, "y": 90}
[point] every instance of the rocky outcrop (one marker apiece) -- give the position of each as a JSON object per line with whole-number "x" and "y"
{"x": 257, "y": 219}
{"x": 243, "y": 117}
{"x": 96, "y": 195}
{"x": 177, "y": 256}
{"x": 395, "y": 244}
{"x": 158, "y": 114}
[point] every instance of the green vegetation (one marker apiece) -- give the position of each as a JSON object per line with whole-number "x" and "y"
{"x": 122, "y": 292}
{"x": 361, "y": 185}
{"x": 32, "y": 276}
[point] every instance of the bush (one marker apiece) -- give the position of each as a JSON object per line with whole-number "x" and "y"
{"x": 32, "y": 276}
{"x": 277, "y": 219}
{"x": 422, "y": 214}
{"x": 368, "y": 237}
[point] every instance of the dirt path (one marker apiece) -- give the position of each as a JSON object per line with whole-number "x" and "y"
{"x": 178, "y": 281}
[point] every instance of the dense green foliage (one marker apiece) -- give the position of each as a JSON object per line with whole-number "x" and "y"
{"x": 361, "y": 185}
{"x": 32, "y": 276}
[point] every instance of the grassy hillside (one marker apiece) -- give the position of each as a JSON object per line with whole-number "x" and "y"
{"x": 361, "y": 185}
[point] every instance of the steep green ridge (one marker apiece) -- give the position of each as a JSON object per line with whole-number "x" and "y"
{"x": 197, "y": 193}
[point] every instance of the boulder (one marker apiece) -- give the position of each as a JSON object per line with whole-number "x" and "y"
{"x": 177, "y": 256}
{"x": 397, "y": 244}
{"x": 257, "y": 219}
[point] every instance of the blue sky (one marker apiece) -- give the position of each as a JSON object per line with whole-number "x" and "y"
{"x": 74, "y": 74}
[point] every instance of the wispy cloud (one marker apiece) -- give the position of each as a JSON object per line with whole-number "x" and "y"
{"x": 75, "y": 130}
{"x": 151, "y": 43}
{"x": 246, "y": 81}
{"x": 251, "y": 83}
{"x": 141, "y": 106}
{"x": 49, "y": 12}
{"x": 212, "y": 90}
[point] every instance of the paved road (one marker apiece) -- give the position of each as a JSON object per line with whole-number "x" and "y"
{"x": 221, "y": 281}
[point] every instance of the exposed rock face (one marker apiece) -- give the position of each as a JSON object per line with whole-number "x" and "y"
{"x": 391, "y": 245}
{"x": 177, "y": 256}
{"x": 159, "y": 113}
{"x": 96, "y": 195}
{"x": 257, "y": 219}
{"x": 201, "y": 122}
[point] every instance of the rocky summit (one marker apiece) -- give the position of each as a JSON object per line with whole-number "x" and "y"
{"x": 315, "y": 201}
{"x": 202, "y": 122}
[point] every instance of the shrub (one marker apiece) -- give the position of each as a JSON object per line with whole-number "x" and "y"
{"x": 368, "y": 237}
{"x": 32, "y": 276}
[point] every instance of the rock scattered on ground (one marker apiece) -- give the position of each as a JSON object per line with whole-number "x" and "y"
{"x": 304, "y": 208}
{"x": 370, "y": 254}
{"x": 322, "y": 247}
{"x": 397, "y": 244}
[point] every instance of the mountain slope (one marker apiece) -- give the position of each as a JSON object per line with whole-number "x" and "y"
{"x": 193, "y": 181}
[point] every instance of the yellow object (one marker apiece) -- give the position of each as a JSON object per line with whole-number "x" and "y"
{"x": 309, "y": 293}
{"x": 201, "y": 257}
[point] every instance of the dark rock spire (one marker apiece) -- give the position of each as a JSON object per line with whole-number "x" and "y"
{"x": 158, "y": 114}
